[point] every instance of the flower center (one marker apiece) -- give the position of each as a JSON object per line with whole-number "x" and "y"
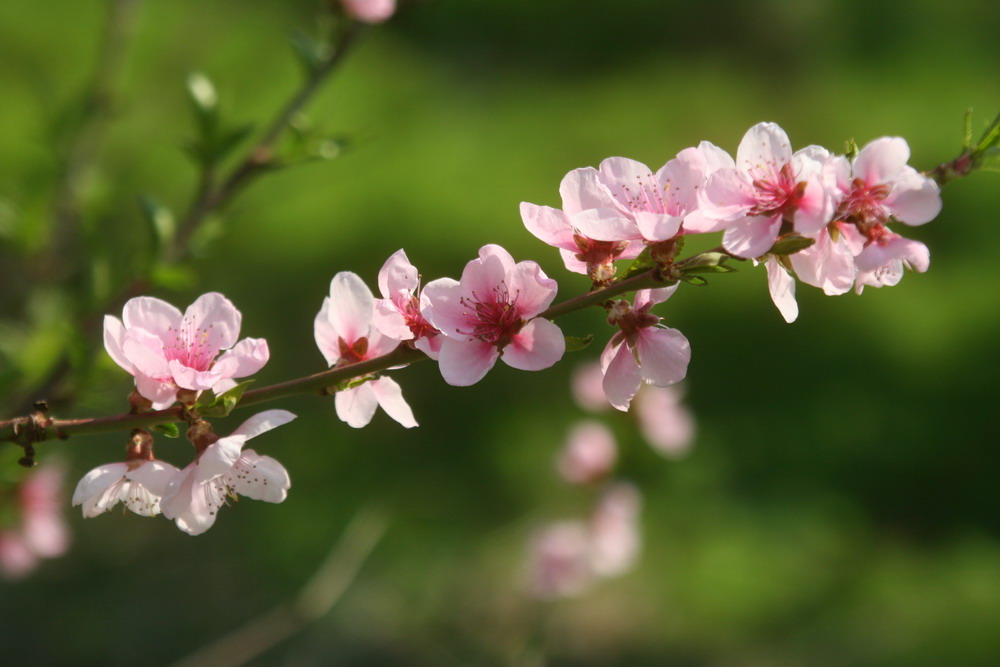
{"x": 352, "y": 353}
{"x": 419, "y": 327}
{"x": 631, "y": 320}
{"x": 646, "y": 197}
{"x": 495, "y": 319}
{"x": 863, "y": 204}
{"x": 190, "y": 346}
{"x": 778, "y": 193}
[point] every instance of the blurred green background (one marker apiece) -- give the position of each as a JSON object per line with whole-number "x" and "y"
{"x": 840, "y": 504}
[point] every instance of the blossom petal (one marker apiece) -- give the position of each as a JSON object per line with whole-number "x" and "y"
{"x": 914, "y": 199}
{"x": 114, "y": 335}
{"x": 350, "y": 307}
{"x": 327, "y": 338}
{"x": 389, "y": 321}
{"x": 216, "y": 318}
{"x": 94, "y": 484}
{"x": 621, "y": 376}
{"x": 444, "y": 309}
{"x": 781, "y": 285}
{"x": 259, "y": 477}
{"x": 161, "y": 394}
{"x": 539, "y": 344}
{"x": 751, "y": 236}
{"x": 549, "y": 225}
{"x": 390, "y": 396}
{"x": 463, "y": 363}
{"x": 531, "y": 290}
{"x": 356, "y": 406}
{"x": 482, "y": 275}
{"x": 581, "y": 189}
{"x": 397, "y": 275}
{"x": 882, "y": 160}
{"x": 664, "y": 355}
{"x": 246, "y": 357}
{"x": 154, "y": 315}
{"x": 262, "y": 422}
{"x": 155, "y": 476}
{"x": 763, "y": 145}
{"x": 219, "y": 457}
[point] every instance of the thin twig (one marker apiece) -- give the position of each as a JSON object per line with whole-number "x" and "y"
{"x": 315, "y": 600}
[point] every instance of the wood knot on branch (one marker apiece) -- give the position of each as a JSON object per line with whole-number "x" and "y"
{"x": 32, "y": 429}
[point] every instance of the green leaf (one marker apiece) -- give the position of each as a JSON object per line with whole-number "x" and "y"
{"x": 577, "y": 343}
{"x": 706, "y": 262}
{"x": 989, "y": 159}
{"x": 644, "y": 262}
{"x": 161, "y": 219}
{"x": 312, "y": 53}
{"x": 173, "y": 277}
{"x": 788, "y": 245}
{"x": 991, "y": 137}
{"x": 169, "y": 430}
{"x": 851, "y": 151}
{"x": 223, "y": 404}
{"x": 692, "y": 279}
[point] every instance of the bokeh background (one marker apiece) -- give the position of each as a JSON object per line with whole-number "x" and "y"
{"x": 840, "y": 504}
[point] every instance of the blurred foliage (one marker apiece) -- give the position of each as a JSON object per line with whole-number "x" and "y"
{"x": 839, "y": 507}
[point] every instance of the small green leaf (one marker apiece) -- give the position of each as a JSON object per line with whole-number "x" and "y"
{"x": 161, "y": 219}
{"x": 851, "y": 151}
{"x": 989, "y": 159}
{"x": 644, "y": 262}
{"x": 223, "y": 404}
{"x": 991, "y": 137}
{"x": 692, "y": 279}
{"x": 174, "y": 277}
{"x": 577, "y": 343}
{"x": 967, "y": 135}
{"x": 706, "y": 262}
{"x": 169, "y": 430}
{"x": 791, "y": 244}
{"x": 312, "y": 53}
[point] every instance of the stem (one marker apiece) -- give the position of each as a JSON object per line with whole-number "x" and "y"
{"x": 16, "y": 430}
{"x": 261, "y": 156}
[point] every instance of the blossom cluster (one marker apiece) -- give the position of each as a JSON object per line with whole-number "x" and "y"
{"x": 810, "y": 214}
{"x": 836, "y": 209}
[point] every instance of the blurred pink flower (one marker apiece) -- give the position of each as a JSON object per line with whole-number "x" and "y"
{"x": 42, "y": 530}
{"x": 490, "y": 315}
{"x": 346, "y": 335}
{"x": 589, "y": 453}
{"x": 587, "y": 385}
{"x": 666, "y": 423}
{"x": 225, "y": 470}
{"x": 370, "y": 11}
{"x": 166, "y": 350}
{"x": 615, "y": 539}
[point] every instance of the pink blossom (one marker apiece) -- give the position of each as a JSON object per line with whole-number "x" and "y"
{"x": 781, "y": 286}
{"x": 591, "y": 231}
{"x": 666, "y": 423}
{"x": 370, "y": 11}
{"x": 615, "y": 539}
{"x": 137, "y": 484}
{"x": 491, "y": 314}
{"x": 225, "y": 470}
{"x": 882, "y": 261}
{"x": 346, "y": 335}
{"x": 42, "y": 530}
{"x": 829, "y": 262}
{"x": 643, "y": 351}
{"x": 559, "y": 560}
{"x": 398, "y": 315}
{"x": 587, "y": 386}
{"x": 589, "y": 453}
{"x": 167, "y": 351}
{"x": 768, "y": 185}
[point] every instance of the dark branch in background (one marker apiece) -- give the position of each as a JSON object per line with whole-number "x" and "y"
{"x": 208, "y": 198}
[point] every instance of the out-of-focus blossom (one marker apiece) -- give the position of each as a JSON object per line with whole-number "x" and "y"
{"x": 398, "y": 314}
{"x": 345, "y": 335}
{"x": 491, "y": 314}
{"x": 166, "y": 350}
{"x": 567, "y": 558}
{"x": 370, "y": 11}
{"x": 587, "y": 385}
{"x": 589, "y": 453}
{"x": 41, "y": 531}
{"x": 666, "y": 423}
{"x": 225, "y": 470}
{"x": 559, "y": 560}
{"x": 615, "y": 538}
{"x": 644, "y": 350}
